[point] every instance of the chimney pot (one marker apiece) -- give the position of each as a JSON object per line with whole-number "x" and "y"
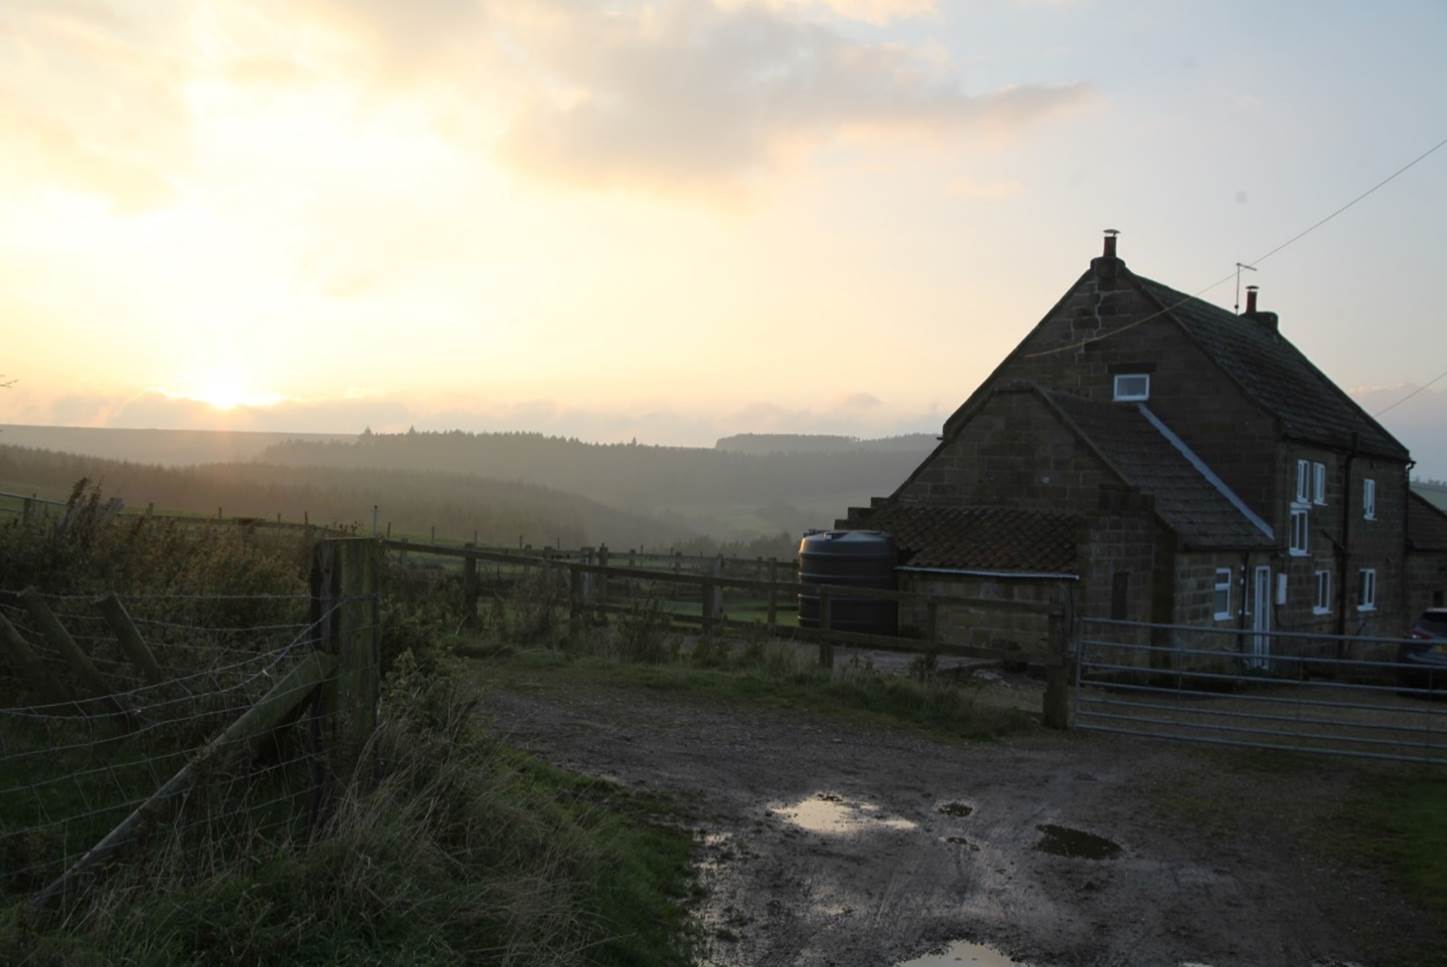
{"x": 1109, "y": 251}
{"x": 1250, "y": 299}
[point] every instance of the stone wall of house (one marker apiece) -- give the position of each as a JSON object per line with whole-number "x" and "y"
{"x": 1188, "y": 392}
{"x": 1014, "y": 453}
{"x": 1024, "y": 631}
{"x": 1426, "y": 583}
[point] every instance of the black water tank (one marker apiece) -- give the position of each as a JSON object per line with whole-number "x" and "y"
{"x": 861, "y": 559}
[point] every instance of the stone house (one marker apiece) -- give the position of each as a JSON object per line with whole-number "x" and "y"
{"x": 1147, "y": 456}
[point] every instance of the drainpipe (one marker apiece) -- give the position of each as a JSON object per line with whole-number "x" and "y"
{"x": 1406, "y": 580}
{"x": 1346, "y": 543}
{"x": 1241, "y": 609}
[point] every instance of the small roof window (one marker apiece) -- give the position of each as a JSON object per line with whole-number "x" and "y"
{"x": 1132, "y": 387}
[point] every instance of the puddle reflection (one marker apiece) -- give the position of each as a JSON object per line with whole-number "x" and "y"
{"x": 826, "y": 813}
{"x": 966, "y": 953}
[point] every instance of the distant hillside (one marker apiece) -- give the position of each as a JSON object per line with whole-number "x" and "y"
{"x": 169, "y": 447}
{"x": 502, "y": 512}
{"x": 725, "y": 494}
{"x": 1433, "y": 490}
{"x": 918, "y": 444}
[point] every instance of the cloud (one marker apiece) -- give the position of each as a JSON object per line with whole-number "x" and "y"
{"x": 92, "y": 100}
{"x": 687, "y": 94}
{"x": 967, "y": 187}
{"x": 868, "y": 11}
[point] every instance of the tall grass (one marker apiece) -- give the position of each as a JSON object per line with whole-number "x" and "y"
{"x": 445, "y": 846}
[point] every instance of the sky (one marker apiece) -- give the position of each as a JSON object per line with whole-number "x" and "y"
{"x": 678, "y": 219}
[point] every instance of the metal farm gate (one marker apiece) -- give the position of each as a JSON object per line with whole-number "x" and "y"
{"x": 1290, "y": 691}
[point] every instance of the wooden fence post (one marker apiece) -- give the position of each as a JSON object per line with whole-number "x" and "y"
{"x": 575, "y": 604}
{"x": 603, "y": 580}
{"x": 469, "y": 589}
{"x": 718, "y": 591}
{"x": 707, "y": 602}
{"x": 346, "y": 610}
{"x": 826, "y": 647}
{"x": 129, "y": 637}
{"x": 26, "y": 663}
{"x": 773, "y": 593}
{"x": 1056, "y": 713}
{"x": 62, "y": 642}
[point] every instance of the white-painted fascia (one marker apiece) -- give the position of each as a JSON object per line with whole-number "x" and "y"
{"x": 1206, "y": 471}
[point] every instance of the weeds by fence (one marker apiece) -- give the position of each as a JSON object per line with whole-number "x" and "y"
{"x": 178, "y": 720}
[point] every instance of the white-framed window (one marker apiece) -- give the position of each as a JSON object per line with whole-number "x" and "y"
{"x": 1303, "y": 481}
{"x": 1221, "y": 605}
{"x": 1300, "y": 531}
{"x": 1369, "y": 499}
{"x": 1318, "y": 483}
{"x": 1132, "y": 386}
{"x": 1321, "y": 604}
{"x": 1367, "y": 589}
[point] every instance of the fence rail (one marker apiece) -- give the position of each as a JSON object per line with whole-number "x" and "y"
{"x": 1282, "y": 691}
{"x": 603, "y": 589}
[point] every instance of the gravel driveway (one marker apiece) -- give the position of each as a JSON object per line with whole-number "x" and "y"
{"x": 826, "y": 843}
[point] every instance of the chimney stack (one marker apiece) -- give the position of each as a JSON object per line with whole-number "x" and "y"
{"x": 1258, "y": 316}
{"x": 1107, "y": 263}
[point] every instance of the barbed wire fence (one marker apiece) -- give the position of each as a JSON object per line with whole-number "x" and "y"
{"x": 193, "y": 722}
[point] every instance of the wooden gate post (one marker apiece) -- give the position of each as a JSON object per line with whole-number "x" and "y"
{"x": 469, "y": 589}
{"x": 1056, "y": 713}
{"x": 345, "y": 608}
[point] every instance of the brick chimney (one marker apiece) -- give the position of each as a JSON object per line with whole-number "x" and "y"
{"x": 1106, "y": 265}
{"x": 1258, "y": 316}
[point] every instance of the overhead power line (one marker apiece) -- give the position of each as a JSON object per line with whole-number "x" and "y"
{"x": 1257, "y": 261}
{"x": 1414, "y": 392}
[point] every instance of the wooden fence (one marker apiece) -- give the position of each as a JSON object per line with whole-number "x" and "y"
{"x": 588, "y": 592}
{"x": 114, "y": 711}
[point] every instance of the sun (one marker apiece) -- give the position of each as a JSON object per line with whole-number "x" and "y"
{"x": 226, "y": 388}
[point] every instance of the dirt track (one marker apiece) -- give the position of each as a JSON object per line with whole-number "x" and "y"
{"x": 1219, "y": 859}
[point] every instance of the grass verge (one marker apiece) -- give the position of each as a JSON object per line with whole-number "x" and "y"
{"x": 775, "y": 678}
{"x": 455, "y": 849}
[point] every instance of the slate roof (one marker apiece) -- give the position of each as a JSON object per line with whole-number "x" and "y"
{"x": 1184, "y": 498}
{"x": 1275, "y": 374}
{"x": 1426, "y": 525}
{"x": 978, "y": 538}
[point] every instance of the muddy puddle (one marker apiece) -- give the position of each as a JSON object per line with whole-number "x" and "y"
{"x": 965, "y": 953}
{"x": 957, "y": 809}
{"x": 831, "y": 814}
{"x": 1075, "y": 844}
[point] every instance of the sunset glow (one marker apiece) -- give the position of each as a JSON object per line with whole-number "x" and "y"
{"x": 680, "y": 219}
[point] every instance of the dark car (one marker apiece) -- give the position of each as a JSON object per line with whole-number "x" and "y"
{"x": 1424, "y": 658}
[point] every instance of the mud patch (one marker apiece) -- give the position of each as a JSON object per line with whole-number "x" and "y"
{"x": 962, "y": 842}
{"x": 1075, "y": 844}
{"x": 831, "y": 814}
{"x": 958, "y": 809}
{"x": 962, "y": 952}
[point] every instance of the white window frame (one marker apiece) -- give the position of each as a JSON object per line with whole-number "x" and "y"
{"x": 1321, "y": 603}
{"x": 1369, "y": 499}
{"x": 1367, "y": 589}
{"x": 1127, "y": 397}
{"x": 1318, "y": 484}
{"x": 1303, "y": 481}
{"x": 1223, "y": 583}
{"x": 1300, "y": 532}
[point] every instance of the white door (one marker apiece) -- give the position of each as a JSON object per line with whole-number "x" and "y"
{"x": 1260, "y": 618}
